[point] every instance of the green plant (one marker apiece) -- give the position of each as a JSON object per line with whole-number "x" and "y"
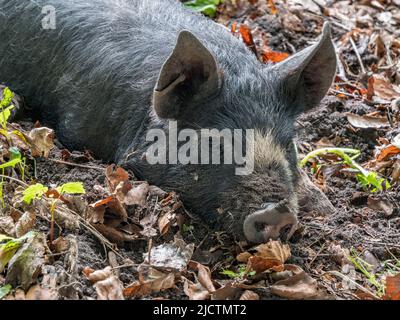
{"x": 368, "y": 179}
{"x": 207, "y": 7}
{"x": 365, "y": 269}
{"x": 5, "y": 290}
{"x": 239, "y": 274}
{"x": 6, "y": 107}
{"x": 37, "y": 191}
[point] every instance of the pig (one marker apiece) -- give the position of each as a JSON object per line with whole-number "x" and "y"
{"x": 104, "y": 73}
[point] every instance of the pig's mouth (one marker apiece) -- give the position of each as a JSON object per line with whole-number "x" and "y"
{"x": 270, "y": 222}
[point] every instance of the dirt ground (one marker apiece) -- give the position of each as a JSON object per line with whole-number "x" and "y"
{"x": 361, "y": 241}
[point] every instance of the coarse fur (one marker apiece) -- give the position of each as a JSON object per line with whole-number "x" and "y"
{"x": 93, "y": 78}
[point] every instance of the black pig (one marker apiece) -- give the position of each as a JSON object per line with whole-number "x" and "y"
{"x": 105, "y": 72}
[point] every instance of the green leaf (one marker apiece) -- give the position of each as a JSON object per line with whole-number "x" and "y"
{"x": 15, "y": 153}
{"x": 35, "y": 191}
{"x": 5, "y": 115}
{"x": 5, "y": 290}
{"x": 8, "y": 95}
{"x": 7, "y": 251}
{"x": 1, "y": 194}
{"x": 71, "y": 188}
{"x": 11, "y": 163}
{"x": 230, "y": 274}
{"x": 207, "y": 7}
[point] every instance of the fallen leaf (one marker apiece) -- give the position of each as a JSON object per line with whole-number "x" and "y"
{"x": 5, "y": 290}
{"x": 272, "y": 7}
{"x": 25, "y": 266}
{"x": 165, "y": 222}
{"x": 175, "y": 255}
{"x": 7, "y": 227}
{"x": 260, "y": 264}
{"x": 387, "y": 152}
{"x": 109, "y": 289}
{"x": 114, "y": 176}
{"x": 195, "y": 291}
{"x": 381, "y": 205}
{"x": 137, "y": 195}
{"x": 37, "y": 292}
{"x": 384, "y": 89}
{"x": 25, "y": 223}
{"x": 367, "y": 122}
{"x": 249, "y": 295}
{"x": 60, "y": 245}
{"x": 226, "y": 292}
{"x": 42, "y": 141}
{"x": 299, "y": 286}
{"x": 392, "y": 291}
{"x": 274, "y": 250}
{"x": 243, "y": 257}
{"x": 247, "y": 37}
{"x": 150, "y": 281}
{"x": 273, "y": 56}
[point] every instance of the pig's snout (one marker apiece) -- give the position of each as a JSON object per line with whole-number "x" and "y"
{"x": 267, "y": 223}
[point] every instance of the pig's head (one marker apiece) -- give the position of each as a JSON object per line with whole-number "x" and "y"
{"x": 220, "y": 86}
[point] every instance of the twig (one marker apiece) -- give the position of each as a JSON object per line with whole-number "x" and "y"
{"x": 344, "y": 277}
{"x": 76, "y": 164}
{"x": 14, "y": 179}
{"x": 344, "y": 93}
{"x": 358, "y": 55}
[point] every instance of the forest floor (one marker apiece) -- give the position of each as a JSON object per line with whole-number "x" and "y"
{"x": 126, "y": 239}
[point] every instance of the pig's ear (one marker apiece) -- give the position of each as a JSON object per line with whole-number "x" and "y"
{"x": 308, "y": 74}
{"x": 189, "y": 76}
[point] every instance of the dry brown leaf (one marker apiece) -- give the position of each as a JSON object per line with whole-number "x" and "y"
{"x": 298, "y": 286}
{"x": 61, "y": 245}
{"x": 260, "y": 264}
{"x": 7, "y": 225}
{"x": 392, "y": 291}
{"x": 109, "y": 289}
{"x": 367, "y": 122}
{"x": 150, "y": 280}
{"x": 381, "y": 205}
{"x": 384, "y": 89}
{"x": 115, "y": 176}
{"x": 396, "y": 171}
{"x": 273, "y": 56}
{"x": 204, "y": 275}
{"x": 243, "y": 257}
{"x": 99, "y": 275}
{"x": 42, "y": 141}
{"x": 25, "y": 223}
{"x": 195, "y": 291}
{"x": 387, "y": 152}
{"x": 226, "y": 292}
{"x": 165, "y": 222}
{"x": 274, "y": 250}
{"x": 37, "y": 292}
{"x": 247, "y": 37}
{"x": 137, "y": 195}
{"x": 87, "y": 272}
{"x": 249, "y": 295}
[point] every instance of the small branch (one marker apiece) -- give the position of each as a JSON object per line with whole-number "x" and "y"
{"x": 14, "y": 179}
{"x": 76, "y": 164}
{"x": 358, "y": 56}
{"x": 346, "y": 278}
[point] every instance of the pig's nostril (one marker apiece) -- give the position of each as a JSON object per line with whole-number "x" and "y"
{"x": 268, "y": 223}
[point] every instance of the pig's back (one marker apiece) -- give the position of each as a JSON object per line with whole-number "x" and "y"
{"x": 96, "y": 70}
